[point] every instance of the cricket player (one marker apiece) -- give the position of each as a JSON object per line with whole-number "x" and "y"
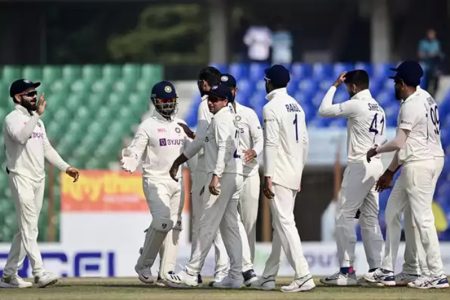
{"x": 251, "y": 144}
{"x": 415, "y": 261}
{"x": 224, "y": 169}
{"x": 27, "y": 147}
{"x": 157, "y": 142}
{"x": 285, "y": 152}
{"x": 415, "y": 186}
{"x": 366, "y": 127}
{"x": 207, "y": 78}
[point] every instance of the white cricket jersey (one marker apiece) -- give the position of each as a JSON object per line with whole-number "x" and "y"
{"x": 158, "y": 142}
{"x": 413, "y": 116}
{"x": 285, "y": 139}
{"x": 366, "y": 123}
{"x": 434, "y": 130}
{"x": 27, "y": 145}
{"x": 250, "y": 136}
{"x": 221, "y": 145}
{"x": 203, "y": 121}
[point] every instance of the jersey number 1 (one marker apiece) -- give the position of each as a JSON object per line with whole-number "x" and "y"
{"x": 296, "y": 127}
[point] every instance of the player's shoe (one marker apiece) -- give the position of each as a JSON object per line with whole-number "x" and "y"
{"x": 302, "y": 284}
{"x": 384, "y": 277}
{"x": 145, "y": 274}
{"x": 249, "y": 277}
{"x": 425, "y": 282}
{"x": 45, "y": 279}
{"x": 402, "y": 278}
{"x": 160, "y": 281}
{"x": 182, "y": 280}
{"x": 263, "y": 283}
{"x": 218, "y": 277}
{"x": 14, "y": 281}
{"x": 228, "y": 283}
{"x": 340, "y": 279}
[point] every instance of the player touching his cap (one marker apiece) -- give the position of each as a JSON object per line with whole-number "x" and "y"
{"x": 366, "y": 127}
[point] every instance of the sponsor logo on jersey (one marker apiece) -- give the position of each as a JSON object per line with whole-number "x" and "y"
{"x": 170, "y": 142}
{"x": 292, "y": 107}
{"x": 37, "y": 135}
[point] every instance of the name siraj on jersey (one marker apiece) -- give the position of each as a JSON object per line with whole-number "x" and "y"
{"x": 373, "y": 106}
{"x": 292, "y": 108}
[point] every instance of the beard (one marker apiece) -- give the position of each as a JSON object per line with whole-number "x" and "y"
{"x": 397, "y": 95}
{"x": 29, "y": 106}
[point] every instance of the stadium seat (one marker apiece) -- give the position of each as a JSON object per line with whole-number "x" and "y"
{"x": 238, "y": 70}
{"x": 111, "y": 72}
{"x": 51, "y": 73}
{"x": 340, "y": 67}
{"x": 131, "y": 72}
{"x": 71, "y": 73}
{"x": 32, "y": 73}
{"x": 322, "y": 71}
{"x": 151, "y": 73}
{"x": 256, "y": 71}
{"x": 300, "y": 71}
{"x": 10, "y": 73}
{"x": 91, "y": 73}
{"x": 364, "y": 66}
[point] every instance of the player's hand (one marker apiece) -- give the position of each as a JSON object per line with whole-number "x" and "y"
{"x": 249, "y": 155}
{"x": 371, "y": 153}
{"x": 187, "y": 130}
{"x": 174, "y": 171}
{"x": 340, "y": 79}
{"x": 214, "y": 185}
{"x": 267, "y": 190}
{"x": 129, "y": 161}
{"x": 385, "y": 181}
{"x": 73, "y": 172}
{"x": 42, "y": 103}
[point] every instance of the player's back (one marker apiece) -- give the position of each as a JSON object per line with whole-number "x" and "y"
{"x": 283, "y": 116}
{"x": 366, "y": 126}
{"x": 434, "y": 131}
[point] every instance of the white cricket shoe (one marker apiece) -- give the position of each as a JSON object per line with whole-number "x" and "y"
{"x": 302, "y": 284}
{"x": 14, "y": 281}
{"x": 228, "y": 283}
{"x": 402, "y": 278}
{"x": 264, "y": 283}
{"x": 383, "y": 277}
{"x": 145, "y": 274}
{"x": 182, "y": 280}
{"x": 45, "y": 279}
{"x": 425, "y": 282}
{"x": 340, "y": 279}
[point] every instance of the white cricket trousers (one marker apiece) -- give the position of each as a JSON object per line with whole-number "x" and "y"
{"x": 413, "y": 188}
{"x": 28, "y": 196}
{"x": 164, "y": 201}
{"x": 219, "y": 212}
{"x": 199, "y": 186}
{"x": 415, "y": 258}
{"x": 285, "y": 234}
{"x": 358, "y": 192}
{"x": 248, "y": 209}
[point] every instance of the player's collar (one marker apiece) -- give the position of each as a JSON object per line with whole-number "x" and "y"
{"x": 275, "y": 92}
{"x": 411, "y": 96}
{"x": 23, "y": 109}
{"x": 364, "y": 94}
{"x": 204, "y": 97}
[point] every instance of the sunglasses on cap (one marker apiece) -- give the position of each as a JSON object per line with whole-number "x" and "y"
{"x": 30, "y": 94}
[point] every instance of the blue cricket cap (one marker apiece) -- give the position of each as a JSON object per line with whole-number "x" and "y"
{"x": 221, "y": 91}
{"x": 228, "y": 80}
{"x": 278, "y": 75}
{"x": 164, "y": 90}
{"x": 409, "y": 71}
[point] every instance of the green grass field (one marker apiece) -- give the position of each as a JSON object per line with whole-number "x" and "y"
{"x": 131, "y": 288}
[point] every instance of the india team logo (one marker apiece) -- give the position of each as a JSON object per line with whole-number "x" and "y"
{"x": 168, "y": 89}
{"x": 162, "y": 142}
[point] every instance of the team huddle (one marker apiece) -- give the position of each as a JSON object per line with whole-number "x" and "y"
{"x": 223, "y": 158}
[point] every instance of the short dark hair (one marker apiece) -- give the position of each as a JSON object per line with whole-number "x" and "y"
{"x": 360, "y": 78}
{"x": 210, "y": 74}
